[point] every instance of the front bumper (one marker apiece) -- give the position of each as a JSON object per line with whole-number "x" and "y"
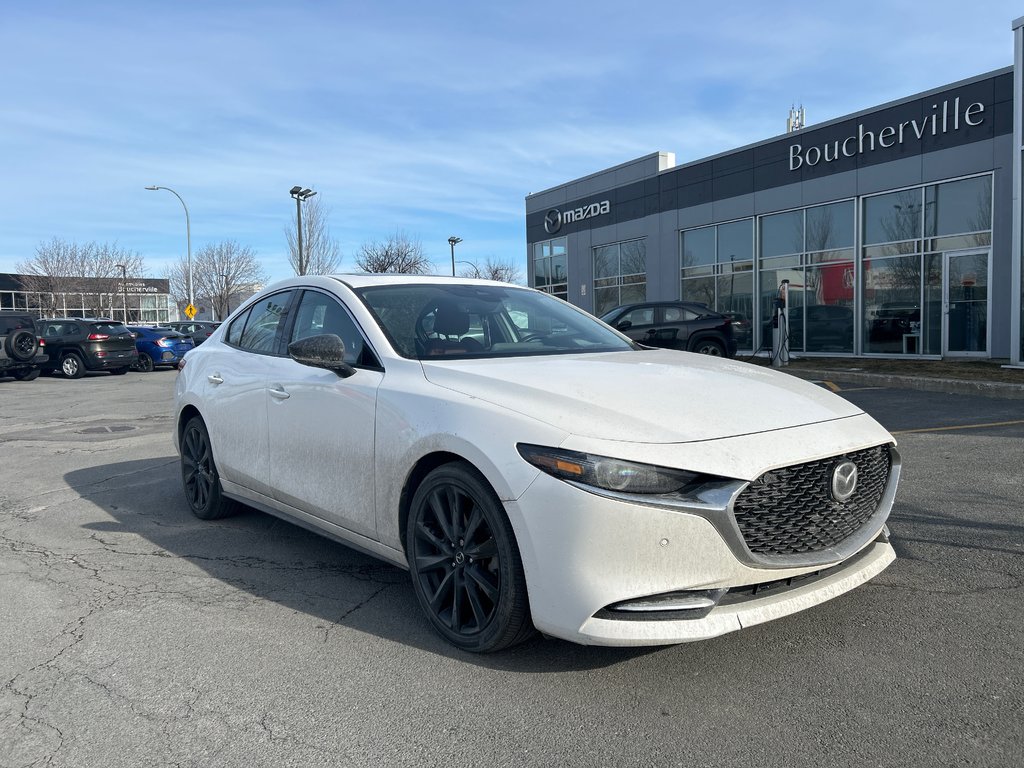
{"x": 583, "y": 552}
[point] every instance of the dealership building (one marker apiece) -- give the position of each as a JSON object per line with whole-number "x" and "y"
{"x": 897, "y": 230}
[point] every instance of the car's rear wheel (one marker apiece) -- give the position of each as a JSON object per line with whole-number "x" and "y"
{"x": 199, "y": 475}
{"x": 709, "y": 347}
{"x": 71, "y": 365}
{"x": 145, "y": 363}
{"x": 29, "y": 375}
{"x": 466, "y": 569}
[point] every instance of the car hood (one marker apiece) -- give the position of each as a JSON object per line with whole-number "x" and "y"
{"x": 650, "y": 396}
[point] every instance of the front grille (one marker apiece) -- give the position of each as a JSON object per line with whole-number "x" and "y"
{"x": 791, "y": 511}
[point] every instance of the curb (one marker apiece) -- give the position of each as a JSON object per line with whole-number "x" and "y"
{"x": 996, "y": 389}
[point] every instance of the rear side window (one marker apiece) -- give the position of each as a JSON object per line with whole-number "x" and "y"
{"x": 261, "y": 324}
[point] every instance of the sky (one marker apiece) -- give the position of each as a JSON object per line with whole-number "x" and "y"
{"x": 432, "y": 119}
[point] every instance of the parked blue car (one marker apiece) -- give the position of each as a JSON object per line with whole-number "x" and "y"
{"x": 158, "y": 345}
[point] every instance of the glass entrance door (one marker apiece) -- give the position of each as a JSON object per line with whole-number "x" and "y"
{"x": 965, "y": 304}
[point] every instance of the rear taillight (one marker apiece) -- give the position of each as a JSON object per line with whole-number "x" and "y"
{"x": 98, "y": 337}
{"x": 164, "y": 342}
{"x": 42, "y": 342}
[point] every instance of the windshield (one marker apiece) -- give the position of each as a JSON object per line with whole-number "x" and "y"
{"x": 460, "y": 321}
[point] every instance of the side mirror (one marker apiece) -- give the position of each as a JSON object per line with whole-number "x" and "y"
{"x": 624, "y": 325}
{"x": 324, "y": 351}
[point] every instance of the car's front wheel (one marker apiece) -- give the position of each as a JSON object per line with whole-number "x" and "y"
{"x": 466, "y": 569}
{"x": 199, "y": 475}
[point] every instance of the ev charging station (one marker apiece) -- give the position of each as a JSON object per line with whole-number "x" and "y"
{"x": 780, "y": 327}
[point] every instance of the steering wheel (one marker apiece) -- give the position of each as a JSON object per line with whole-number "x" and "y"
{"x": 534, "y": 335}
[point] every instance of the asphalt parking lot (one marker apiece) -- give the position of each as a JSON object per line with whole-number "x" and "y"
{"x": 133, "y": 634}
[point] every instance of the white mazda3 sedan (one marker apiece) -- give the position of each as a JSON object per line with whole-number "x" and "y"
{"x": 530, "y": 466}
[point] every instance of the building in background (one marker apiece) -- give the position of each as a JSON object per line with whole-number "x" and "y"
{"x": 148, "y": 300}
{"x": 898, "y": 228}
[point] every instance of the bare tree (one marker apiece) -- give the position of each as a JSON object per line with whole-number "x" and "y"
{"x": 399, "y": 253}
{"x": 91, "y": 270}
{"x": 219, "y": 271}
{"x": 321, "y": 253}
{"x": 493, "y": 269}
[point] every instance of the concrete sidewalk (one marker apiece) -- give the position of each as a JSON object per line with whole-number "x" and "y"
{"x": 982, "y": 377}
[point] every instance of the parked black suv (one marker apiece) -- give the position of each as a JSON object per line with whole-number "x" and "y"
{"x": 21, "y": 351}
{"x": 76, "y": 345}
{"x": 683, "y": 325}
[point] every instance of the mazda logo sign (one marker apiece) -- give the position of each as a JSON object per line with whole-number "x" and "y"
{"x": 552, "y": 221}
{"x": 844, "y": 480}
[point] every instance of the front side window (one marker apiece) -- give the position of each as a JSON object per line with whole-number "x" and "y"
{"x": 320, "y": 314}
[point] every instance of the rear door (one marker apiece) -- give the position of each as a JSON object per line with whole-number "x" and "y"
{"x": 234, "y": 385}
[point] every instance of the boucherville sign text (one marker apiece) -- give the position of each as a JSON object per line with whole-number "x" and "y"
{"x": 944, "y": 118}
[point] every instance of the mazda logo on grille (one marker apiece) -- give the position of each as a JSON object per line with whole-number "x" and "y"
{"x": 844, "y": 480}
{"x": 552, "y": 221}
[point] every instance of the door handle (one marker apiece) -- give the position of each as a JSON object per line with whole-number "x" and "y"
{"x": 214, "y": 378}
{"x": 279, "y": 393}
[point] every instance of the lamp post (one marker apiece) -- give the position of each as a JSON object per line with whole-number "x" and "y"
{"x": 227, "y": 299}
{"x": 188, "y": 238}
{"x": 124, "y": 289}
{"x": 301, "y": 195}
{"x": 453, "y": 241}
{"x": 476, "y": 269}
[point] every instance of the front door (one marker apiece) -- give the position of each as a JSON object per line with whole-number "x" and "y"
{"x": 965, "y": 304}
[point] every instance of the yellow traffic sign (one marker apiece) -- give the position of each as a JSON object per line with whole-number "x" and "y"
{"x": 190, "y": 310}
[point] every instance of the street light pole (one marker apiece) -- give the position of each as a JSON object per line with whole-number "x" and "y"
{"x": 227, "y": 299}
{"x": 453, "y": 241}
{"x": 124, "y": 289}
{"x": 188, "y": 239}
{"x": 301, "y": 195}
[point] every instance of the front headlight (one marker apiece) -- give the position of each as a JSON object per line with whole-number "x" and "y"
{"x": 609, "y": 474}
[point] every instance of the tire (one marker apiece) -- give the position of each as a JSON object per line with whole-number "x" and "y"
{"x": 145, "y": 363}
{"x": 711, "y": 347}
{"x": 30, "y": 375}
{"x": 199, "y": 477}
{"x": 466, "y": 569}
{"x": 119, "y": 371}
{"x": 71, "y": 365}
{"x": 21, "y": 345}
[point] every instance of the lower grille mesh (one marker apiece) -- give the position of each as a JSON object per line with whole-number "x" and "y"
{"x": 791, "y": 511}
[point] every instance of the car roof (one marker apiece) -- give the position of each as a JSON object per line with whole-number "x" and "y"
{"x": 358, "y": 280}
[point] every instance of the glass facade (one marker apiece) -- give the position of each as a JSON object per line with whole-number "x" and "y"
{"x": 620, "y": 275}
{"x": 912, "y": 279}
{"x": 142, "y": 307}
{"x": 550, "y": 273}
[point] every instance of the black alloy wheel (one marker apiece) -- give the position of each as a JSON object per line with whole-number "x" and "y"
{"x": 145, "y": 363}
{"x": 71, "y": 365}
{"x": 466, "y": 569}
{"x": 199, "y": 474}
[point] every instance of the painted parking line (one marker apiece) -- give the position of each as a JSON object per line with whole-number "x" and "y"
{"x": 961, "y": 426}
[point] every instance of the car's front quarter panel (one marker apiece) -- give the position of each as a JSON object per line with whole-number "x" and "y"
{"x": 417, "y": 419}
